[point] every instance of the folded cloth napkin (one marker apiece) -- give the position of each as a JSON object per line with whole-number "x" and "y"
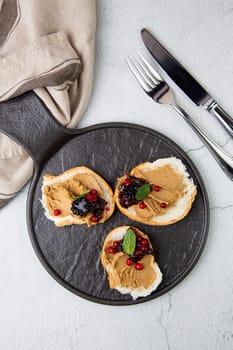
{"x": 48, "y": 47}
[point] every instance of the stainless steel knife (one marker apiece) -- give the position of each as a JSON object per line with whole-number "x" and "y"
{"x": 185, "y": 80}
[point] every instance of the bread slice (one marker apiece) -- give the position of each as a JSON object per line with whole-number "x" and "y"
{"x": 58, "y": 193}
{"x": 127, "y": 279}
{"x": 176, "y": 191}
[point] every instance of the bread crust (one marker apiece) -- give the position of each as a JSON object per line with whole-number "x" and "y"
{"x": 155, "y": 221}
{"x": 118, "y": 234}
{"x": 50, "y": 179}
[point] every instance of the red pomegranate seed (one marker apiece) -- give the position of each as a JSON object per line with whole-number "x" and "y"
{"x": 107, "y": 209}
{"x": 56, "y": 212}
{"x": 144, "y": 248}
{"x": 127, "y": 182}
{"x": 116, "y": 244}
{"x": 139, "y": 238}
{"x": 157, "y": 188}
{"x": 93, "y": 191}
{"x": 111, "y": 250}
{"x": 142, "y": 205}
{"x": 129, "y": 262}
{"x": 138, "y": 266}
{"x": 94, "y": 218}
{"x": 163, "y": 205}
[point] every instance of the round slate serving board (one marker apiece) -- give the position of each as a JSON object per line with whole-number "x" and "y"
{"x": 71, "y": 254}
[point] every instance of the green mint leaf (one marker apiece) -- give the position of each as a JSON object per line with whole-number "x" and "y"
{"x": 129, "y": 242}
{"x": 143, "y": 191}
{"x": 81, "y": 195}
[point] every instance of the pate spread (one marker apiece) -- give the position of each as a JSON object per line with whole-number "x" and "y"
{"x": 129, "y": 277}
{"x": 61, "y": 194}
{"x": 167, "y": 186}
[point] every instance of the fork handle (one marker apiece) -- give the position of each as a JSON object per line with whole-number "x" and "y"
{"x": 223, "y": 158}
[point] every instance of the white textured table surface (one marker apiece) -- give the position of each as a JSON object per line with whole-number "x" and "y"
{"x": 36, "y": 312}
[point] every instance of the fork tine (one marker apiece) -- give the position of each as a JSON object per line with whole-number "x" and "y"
{"x": 155, "y": 74}
{"x": 144, "y": 68}
{"x": 143, "y": 72}
{"x": 138, "y": 75}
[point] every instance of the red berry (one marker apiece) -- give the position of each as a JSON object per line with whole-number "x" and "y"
{"x": 142, "y": 205}
{"x": 129, "y": 262}
{"x": 144, "y": 248}
{"x": 107, "y": 209}
{"x": 144, "y": 242}
{"x": 157, "y": 188}
{"x": 94, "y": 218}
{"x": 139, "y": 238}
{"x": 92, "y": 195}
{"x": 111, "y": 250}
{"x": 56, "y": 212}
{"x": 116, "y": 244}
{"x": 138, "y": 266}
{"x": 127, "y": 182}
{"x": 88, "y": 196}
{"x": 163, "y": 205}
{"x": 138, "y": 252}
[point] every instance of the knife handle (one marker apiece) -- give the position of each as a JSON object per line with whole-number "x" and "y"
{"x": 224, "y": 118}
{"x": 224, "y": 159}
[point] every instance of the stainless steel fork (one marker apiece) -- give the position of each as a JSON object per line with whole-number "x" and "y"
{"x": 153, "y": 84}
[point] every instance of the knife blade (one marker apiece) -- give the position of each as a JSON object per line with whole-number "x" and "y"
{"x": 185, "y": 80}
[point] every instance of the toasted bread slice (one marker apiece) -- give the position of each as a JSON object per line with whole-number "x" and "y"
{"x": 171, "y": 197}
{"x": 59, "y": 192}
{"x": 127, "y": 279}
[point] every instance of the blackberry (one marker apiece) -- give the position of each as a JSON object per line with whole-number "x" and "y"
{"x": 80, "y": 206}
{"x": 128, "y": 191}
{"x": 97, "y": 207}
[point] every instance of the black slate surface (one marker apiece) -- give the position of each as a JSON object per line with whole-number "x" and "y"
{"x": 72, "y": 254}
{"x": 27, "y": 120}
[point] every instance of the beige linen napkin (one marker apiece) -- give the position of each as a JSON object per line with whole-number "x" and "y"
{"x": 46, "y": 46}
